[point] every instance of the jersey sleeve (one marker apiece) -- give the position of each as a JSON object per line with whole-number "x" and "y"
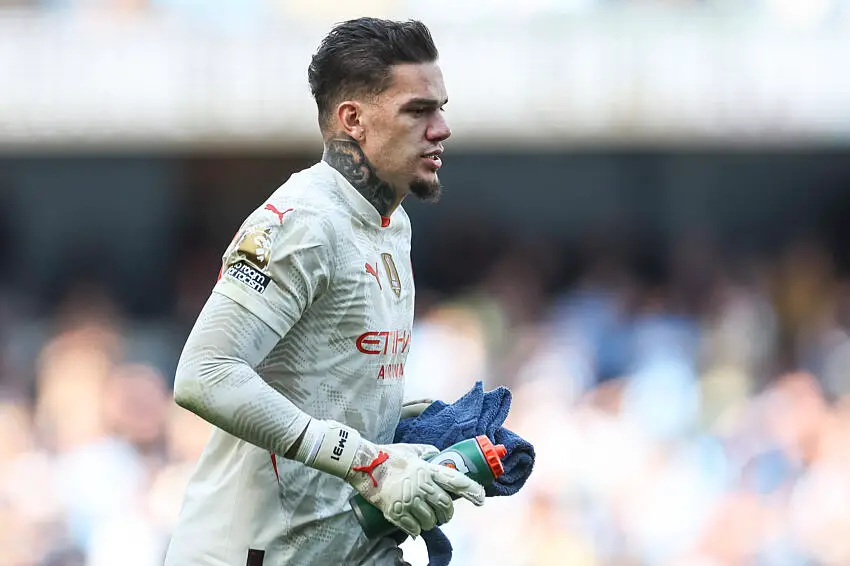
{"x": 216, "y": 379}
{"x": 278, "y": 264}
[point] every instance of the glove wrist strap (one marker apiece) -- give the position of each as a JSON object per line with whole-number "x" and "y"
{"x": 329, "y": 446}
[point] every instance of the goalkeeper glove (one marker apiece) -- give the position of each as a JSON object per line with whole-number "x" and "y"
{"x": 412, "y": 409}
{"x": 413, "y": 494}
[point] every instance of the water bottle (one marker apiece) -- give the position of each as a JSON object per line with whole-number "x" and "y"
{"x": 477, "y": 458}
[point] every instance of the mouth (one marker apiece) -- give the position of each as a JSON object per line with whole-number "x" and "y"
{"x": 433, "y": 159}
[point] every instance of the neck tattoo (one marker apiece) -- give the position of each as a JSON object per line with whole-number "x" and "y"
{"x": 346, "y": 156}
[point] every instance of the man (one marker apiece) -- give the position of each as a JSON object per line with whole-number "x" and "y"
{"x": 298, "y": 356}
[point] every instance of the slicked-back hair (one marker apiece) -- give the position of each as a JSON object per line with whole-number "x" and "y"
{"x": 357, "y": 56}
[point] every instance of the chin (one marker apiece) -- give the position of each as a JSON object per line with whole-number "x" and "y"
{"x": 428, "y": 190}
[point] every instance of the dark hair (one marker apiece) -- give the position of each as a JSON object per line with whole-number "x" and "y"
{"x": 357, "y": 56}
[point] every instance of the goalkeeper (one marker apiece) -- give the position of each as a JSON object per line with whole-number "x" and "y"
{"x": 297, "y": 358}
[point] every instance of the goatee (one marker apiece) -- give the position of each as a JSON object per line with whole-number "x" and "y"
{"x": 428, "y": 191}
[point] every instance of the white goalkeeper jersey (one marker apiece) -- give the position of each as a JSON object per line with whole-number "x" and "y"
{"x": 320, "y": 266}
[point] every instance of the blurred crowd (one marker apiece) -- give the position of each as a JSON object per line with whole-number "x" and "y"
{"x": 811, "y": 11}
{"x": 692, "y": 415}
{"x": 697, "y": 418}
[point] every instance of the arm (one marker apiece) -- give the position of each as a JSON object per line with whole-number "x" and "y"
{"x": 216, "y": 379}
{"x": 271, "y": 273}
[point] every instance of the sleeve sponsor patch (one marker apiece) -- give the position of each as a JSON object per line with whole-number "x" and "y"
{"x": 255, "y": 246}
{"x": 248, "y": 275}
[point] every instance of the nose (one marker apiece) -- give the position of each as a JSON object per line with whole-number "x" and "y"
{"x": 439, "y": 129}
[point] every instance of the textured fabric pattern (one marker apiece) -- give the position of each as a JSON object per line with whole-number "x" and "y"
{"x": 299, "y": 265}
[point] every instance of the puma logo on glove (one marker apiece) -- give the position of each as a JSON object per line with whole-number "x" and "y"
{"x": 412, "y": 493}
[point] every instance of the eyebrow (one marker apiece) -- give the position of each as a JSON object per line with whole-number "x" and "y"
{"x": 429, "y": 102}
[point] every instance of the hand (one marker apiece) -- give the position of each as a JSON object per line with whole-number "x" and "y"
{"x": 413, "y": 494}
{"x": 412, "y": 409}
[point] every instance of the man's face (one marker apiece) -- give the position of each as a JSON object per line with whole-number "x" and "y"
{"x": 404, "y": 128}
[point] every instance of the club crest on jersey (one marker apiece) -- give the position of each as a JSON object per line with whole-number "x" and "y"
{"x": 392, "y": 273}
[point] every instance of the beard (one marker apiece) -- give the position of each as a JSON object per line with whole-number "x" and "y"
{"x": 428, "y": 191}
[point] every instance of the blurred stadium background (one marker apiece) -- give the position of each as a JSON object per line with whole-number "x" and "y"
{"x": 644, "y": 234}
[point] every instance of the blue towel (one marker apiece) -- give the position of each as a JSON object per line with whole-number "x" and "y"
{"x": 473, "y": 414}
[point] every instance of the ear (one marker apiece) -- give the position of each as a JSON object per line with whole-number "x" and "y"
{"x": 349, "y": 113}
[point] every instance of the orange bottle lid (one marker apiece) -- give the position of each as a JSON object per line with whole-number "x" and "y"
{"x": 493, "y": 454}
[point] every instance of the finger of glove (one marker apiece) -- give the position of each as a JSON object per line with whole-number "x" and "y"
{"x": 457, "y": 483}
{"x": 423, "y": 513}
{"x": 414, "y": 408}
{"x": 413, "y": 497}
{"x": 422, "y": 451}
{"x": 418, "y": 401}
{"x": 440, "y": 501}
{"x": 405, "y": 522}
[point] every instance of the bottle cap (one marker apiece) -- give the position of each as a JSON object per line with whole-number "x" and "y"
{"x": 493, "y": 454}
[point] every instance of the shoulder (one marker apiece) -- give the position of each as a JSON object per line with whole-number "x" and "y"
{"x": 303, "y": 205}
{"x": 308, "y": 191}
{"x": 400, "y": 224}
{"x": 289, "y": 221}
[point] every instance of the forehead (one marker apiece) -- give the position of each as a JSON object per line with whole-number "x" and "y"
{"x": 417, "y": 80}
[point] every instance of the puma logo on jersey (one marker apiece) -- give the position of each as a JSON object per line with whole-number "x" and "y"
{"x": 391, "y": 272}
{"x": 373, "y": 271}
{"x": 279, "y": 213}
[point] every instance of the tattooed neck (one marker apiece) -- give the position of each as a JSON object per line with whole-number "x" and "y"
{"x": 345, "y": 155}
